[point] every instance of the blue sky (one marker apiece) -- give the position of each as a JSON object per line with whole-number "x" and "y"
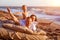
{"x": 30, "y": 2}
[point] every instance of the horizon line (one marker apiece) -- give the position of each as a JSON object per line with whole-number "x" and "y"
{"x": 30, "y": 6}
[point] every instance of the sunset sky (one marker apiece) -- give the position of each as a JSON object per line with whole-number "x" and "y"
{"x": 30, "y": 3}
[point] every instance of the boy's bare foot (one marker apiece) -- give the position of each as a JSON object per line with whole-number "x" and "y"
{"x": 8, "y": 9}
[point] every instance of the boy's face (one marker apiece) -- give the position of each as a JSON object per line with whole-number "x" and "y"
{"x": 24, "y": 8}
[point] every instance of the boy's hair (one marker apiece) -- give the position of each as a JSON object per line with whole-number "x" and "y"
{"x": 35, "y": 17}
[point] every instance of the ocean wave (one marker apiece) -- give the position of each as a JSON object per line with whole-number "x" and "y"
{"x": 37, "y": 12}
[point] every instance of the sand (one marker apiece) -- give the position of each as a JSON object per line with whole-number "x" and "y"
{"x": 52, "y": 29}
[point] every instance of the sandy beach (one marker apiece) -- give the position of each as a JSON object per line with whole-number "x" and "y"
{"x": 52, "y": 28}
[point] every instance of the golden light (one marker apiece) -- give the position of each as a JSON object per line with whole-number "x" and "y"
{"x": 55, "y": 3}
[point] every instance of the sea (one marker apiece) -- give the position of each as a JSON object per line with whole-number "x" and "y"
{"x": 36, "y": 11}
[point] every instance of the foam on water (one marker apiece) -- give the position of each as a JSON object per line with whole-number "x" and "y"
{"x": 37, "y": 13}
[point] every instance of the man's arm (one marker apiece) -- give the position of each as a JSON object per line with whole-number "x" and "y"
{"x": 13, "y": 17}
